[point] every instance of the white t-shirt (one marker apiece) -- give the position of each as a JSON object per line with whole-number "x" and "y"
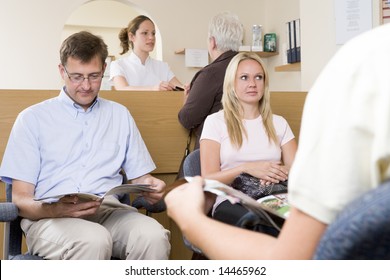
{"x": 254, "y": 148}
{"x": 344, "y": 143}
{"x": 136, "y": 74}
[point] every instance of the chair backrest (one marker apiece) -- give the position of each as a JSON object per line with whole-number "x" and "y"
{"x": 13, "y": 236}
{"x": 191, "y": 165}
{"x": 362, "y": 230}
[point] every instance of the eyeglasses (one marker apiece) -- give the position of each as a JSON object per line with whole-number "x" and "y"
{"x": 79, "y": 79}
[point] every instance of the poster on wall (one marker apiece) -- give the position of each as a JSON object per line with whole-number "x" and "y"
{"x": 385, "y": 11}
{"x": 196, "y": 58}
{"x": 352, "y": 18}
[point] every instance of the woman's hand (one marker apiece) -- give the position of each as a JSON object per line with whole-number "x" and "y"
{"x": 269, "y": 172}
{"x": 185, "y": 199}
{"x": 165, "y": 86}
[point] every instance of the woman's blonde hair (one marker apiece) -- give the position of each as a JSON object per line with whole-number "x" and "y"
{"x": 233, "y": 110}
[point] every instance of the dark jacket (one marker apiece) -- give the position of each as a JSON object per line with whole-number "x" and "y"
{"x": 205, "y": 94}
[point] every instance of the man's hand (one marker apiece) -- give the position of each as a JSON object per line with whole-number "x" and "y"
{"x": 157, "y": 184}
{"x": 73, "y": 206}
{"x": 68, "y": 206}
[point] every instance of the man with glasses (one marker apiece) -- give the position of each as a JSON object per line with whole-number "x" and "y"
{"x": 79, "y": 142}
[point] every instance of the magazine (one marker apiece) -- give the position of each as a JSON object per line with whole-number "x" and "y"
{"x": 121, "y": 189}
{"x": 277, "y": 202}
{"x": 274, "y": 208}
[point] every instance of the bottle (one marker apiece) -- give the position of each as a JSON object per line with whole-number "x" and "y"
{"x": 257, "y": 42}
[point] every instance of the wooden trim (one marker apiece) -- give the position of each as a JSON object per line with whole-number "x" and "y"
{"x": 288, "y": 67}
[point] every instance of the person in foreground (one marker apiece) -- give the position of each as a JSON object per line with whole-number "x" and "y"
{"x": 79, "y": 142}
{"x": 343, "y": 152}
{"x": 245, "y": 137}
{"x": 139, "y": 71}
{"x": 203, "y": 96}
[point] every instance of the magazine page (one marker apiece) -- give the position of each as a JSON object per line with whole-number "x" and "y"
{"x": 277, "y": 202}
{"x": 121, "y": 189}
{"x": 235, "y": 196}
{"x": 130, "y": 188}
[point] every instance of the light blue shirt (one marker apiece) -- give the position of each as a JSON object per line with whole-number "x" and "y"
{"x": 60, "y": 148}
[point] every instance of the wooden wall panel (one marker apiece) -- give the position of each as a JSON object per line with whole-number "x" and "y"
{"x": 290, "y": 106}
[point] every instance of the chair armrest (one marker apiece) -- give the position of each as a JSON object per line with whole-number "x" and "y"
{"x": 140, "y": 202}
{"x": 8, "y": 211}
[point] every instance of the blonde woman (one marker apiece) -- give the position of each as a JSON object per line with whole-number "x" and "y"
{"x": 245, "y": 136}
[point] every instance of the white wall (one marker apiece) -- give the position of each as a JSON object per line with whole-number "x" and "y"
{"x": 31, "y": 33}
{"x": 105, "y": 18}
{"x": 278, "y": 13}
{"x": 319, "y": 36}
{"x": 30, "y": 39}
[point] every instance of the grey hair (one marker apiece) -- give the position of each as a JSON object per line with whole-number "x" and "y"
{"x": 227, "y": 30}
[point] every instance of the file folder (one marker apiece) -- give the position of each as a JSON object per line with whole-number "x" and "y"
{"x": 298, "y": 39}
{"x": 293, "y": 42}
{"x": 288, "y": 35}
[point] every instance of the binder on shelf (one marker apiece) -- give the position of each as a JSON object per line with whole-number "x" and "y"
{"x": 288, "y": 34}
{"x": 298, "y": 39}
{"x": 293, "y": 42}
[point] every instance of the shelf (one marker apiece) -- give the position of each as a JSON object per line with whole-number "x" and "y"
{"x": 266, "y": 54}
{"x": 181, "y": 51}
{"x": 288, "y": 67}
{"x": 261, "y": 54}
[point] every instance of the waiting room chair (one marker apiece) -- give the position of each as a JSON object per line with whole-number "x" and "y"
{"x": 362, "y": 229}
{"x": 191, "y": 168}
{"x": 191, "y": 165}
{"x": 13, "y": 234}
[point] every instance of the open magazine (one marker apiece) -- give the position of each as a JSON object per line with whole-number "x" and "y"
{"x": 274, "y": 208}
{"x": 121, "y": 189}
{"x": 276, "y": 202}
